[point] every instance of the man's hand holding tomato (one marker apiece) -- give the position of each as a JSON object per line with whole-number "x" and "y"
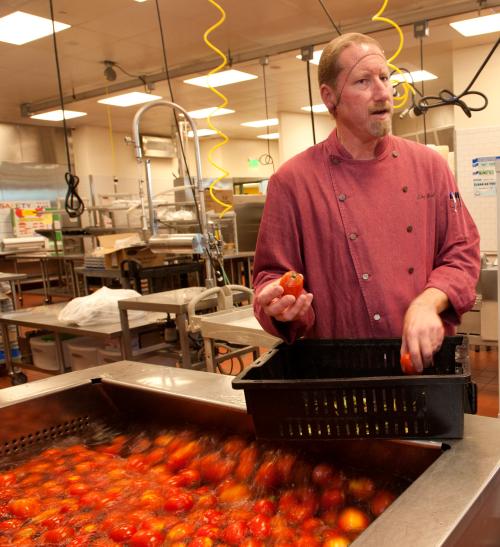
{"x": 423, "y": 330}
{"x": 281, "y": 306}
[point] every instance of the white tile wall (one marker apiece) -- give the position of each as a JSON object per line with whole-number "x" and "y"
{"x": 472, "y": 143}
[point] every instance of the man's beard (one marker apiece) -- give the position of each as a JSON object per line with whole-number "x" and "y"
{"x": 380, "y": 128}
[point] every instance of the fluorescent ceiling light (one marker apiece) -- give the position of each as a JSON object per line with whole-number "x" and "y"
{"x": 129, "y": 99}
{"x": 413, "y": 77}
{"x": 202, "y": 133}
{"x": 20, "y": 28}
{"x": 478, "y": 25}
{"x": 262, "y": 123}
{"x": 269, "y": 136}
{"x": 57, "y": 115}
{"x": 317, "y": 108}
{"x": 212, "y": 111}
{"x": 219, "y": 79}
{"x": 315, "y": 59}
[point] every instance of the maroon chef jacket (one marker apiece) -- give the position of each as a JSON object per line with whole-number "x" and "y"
{"x": 369, "y": 236}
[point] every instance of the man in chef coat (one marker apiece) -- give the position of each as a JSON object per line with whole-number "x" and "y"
{"x": 374, "y": 222}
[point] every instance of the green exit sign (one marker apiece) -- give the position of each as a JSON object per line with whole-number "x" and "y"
{"x": 253, "y": 164}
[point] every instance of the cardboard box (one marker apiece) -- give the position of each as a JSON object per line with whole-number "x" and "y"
{"x": 112, "y": 257}
{"x": 225, "y": 196}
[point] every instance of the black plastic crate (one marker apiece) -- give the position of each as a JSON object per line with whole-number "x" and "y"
{"x": 345, "y": 389}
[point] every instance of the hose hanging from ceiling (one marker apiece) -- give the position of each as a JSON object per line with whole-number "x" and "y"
{"x": 73, "y": 203}
{"x": 225, "y": 139}
{"x": 399, "y": 100}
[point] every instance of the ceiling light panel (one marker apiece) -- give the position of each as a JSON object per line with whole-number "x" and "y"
{"x": 57, "y": 115}
{"x": 478, "y": 25}
{"x": 129, "y": 99}
{"x": 269, "y": 136}
{"x": 19, "y": 28}
{"x": 220, "y": 79}
{"x": 414, "y": 76}
{"x": 262, "y": 123}
{"x": 202, "y": 133}
{"x": 212, "y": 111}
{"x": 316, "y": 108}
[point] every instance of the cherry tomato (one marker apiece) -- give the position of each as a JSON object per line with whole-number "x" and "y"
{"x": 146, "y": 538}
{"x": 59, "y": 535}
{"x": 381, "y": 501}
{"x": 332, "y": 498}
{"x": 292, "y": 283}
{"x": 407, "y": 365}
{"x": 361, "y": 489}
{"x": 352, "y": 519}
{"x": 265, "y": 506}
{"x": 260, "y": 526}
{"x": 235, "y": 532}
{"x": 178, "y": 501}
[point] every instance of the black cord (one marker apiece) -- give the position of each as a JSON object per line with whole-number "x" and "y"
{"x": 329, "y": 17}
{"x": 164, "y": 52}
{"x": 142, "y": 78}
{"x": 423, "y": 86}
{"x": 310, "y": 99}
{"x": 447, "y": 97}
{"x": 266, "y": 159}
{"x": 73, "y": 203}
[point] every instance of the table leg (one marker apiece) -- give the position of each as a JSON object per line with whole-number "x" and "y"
{"x": 85, "y": 285}
{"x": 125, "y": 338}
{"x": 45, "y": 280}
{"x": 13, "y": 292}
{"x": 180, "y": 321}
{"x": 209, "y": 354}
{"x": 60, "y": 352}
{"x": 6, "y": 349}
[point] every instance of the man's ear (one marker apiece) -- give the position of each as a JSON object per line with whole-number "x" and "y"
{"x": 328, "y": 97}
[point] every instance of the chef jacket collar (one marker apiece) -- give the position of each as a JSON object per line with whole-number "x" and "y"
{"x": 337, "y": 149}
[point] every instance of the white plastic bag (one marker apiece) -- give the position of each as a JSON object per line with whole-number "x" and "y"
{"x": 99, "y": 307}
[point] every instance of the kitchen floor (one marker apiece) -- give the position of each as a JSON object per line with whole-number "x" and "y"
{"x": 484, "y": 368}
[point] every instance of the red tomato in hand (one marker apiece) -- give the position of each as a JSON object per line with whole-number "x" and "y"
{"x": 407, "y": 365}
{"x": 292, "y": 283}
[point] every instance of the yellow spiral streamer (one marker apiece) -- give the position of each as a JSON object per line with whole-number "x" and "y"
{"x": 224, "y": 137}
{"x": 400, "y": 101}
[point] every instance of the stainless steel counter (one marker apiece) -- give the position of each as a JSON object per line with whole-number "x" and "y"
{"x": 433, "y": 511}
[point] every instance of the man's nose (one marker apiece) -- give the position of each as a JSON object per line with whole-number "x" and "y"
{"x": 382, "y": 90}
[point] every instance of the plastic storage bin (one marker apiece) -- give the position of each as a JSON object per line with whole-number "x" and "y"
{"x": 108, "y": 355}
{"x": 345, "y": 389}
{"x": 83, "y": 352}
{"x": 44, "y": 354}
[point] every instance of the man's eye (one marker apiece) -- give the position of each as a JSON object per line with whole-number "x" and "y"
{"x": 384, "y": 78}
{"x": 362, "y": 81}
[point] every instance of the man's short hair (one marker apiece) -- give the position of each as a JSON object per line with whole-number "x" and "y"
{"x": 329, "y": 67}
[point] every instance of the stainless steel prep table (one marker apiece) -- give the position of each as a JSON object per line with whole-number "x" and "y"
{"x": 66, "y": 269}
{"x": 45, "y": 317}
{"x": 175, "y": 302}
{"x": 13, "y": 279}
{"x": 432, "y": 512}
{"x": 236, "y": 326}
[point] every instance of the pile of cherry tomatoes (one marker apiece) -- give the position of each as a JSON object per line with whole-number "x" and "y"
{"x": 183, "y": 488}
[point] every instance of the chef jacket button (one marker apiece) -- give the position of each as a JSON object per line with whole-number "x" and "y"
{"x": 395, "y": 153}
{"x": 335, "y": 161}
{"x": 353, "y": 236}
{"x": 342, "y": 197}
{"x": 409, "y": 228}
{"x": 365, "y": 276}
{"x": 405, "y": 189}
{"x": 411, "y": 270}
{"x": 377, "y": 317}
